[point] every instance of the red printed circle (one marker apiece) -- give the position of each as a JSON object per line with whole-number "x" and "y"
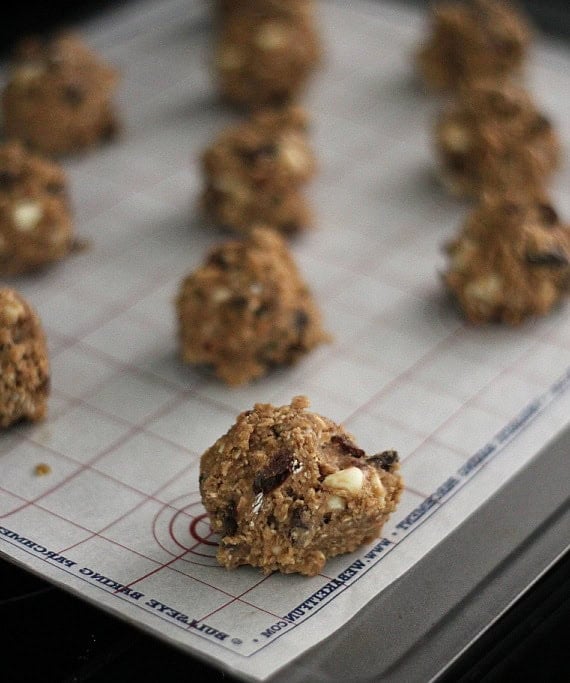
{"x": 182, "y": 525}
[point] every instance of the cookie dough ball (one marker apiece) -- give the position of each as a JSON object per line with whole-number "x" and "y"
{"x": 254, "y": 171}
{"x": 511, "y": 261}
{"x": 286, "y": 489}
{"x": 494, "y": 136}
{"x": 265, "y": 53}
{"x": 247, "y": 310}
{"x": 24, "y": 376}
{"x": 470, "y": 40}
{"x": 58, "y": 97}
{"x": 36, "y": 226}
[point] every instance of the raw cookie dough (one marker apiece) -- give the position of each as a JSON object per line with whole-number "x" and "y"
{"x": 254, "y": 172}
{"x": 265, "y": 52}
{"x": 24, "y": 376}
{"x": 494, "y": 137}
{"x": 286, "y": 489}
{"x": 470, "y": 40}
{"x": 511, "y": 261}
{"x": 36, "y": 226}
{"x": 247, "y": 310}
{"x": 58, "y": 97}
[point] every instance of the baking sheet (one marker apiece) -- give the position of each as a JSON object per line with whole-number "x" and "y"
{"x": 119, "y": 521}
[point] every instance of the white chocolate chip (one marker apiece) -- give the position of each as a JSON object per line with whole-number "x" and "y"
{"x": 547, "y": 293}
{"x": 271, "y": 36}
{"x": 220, "y": 295}
{"x": 230, "y": 58}
{"x": 349, "y": 480}
{"x": 230, "y": 186}
{"x": 28, "y": 73}
{"x": 12, "y": 312}
{"x": 26, "y": 215}
{"x": 335, "y": 502}
{"x": 486, "y": 289}
{"x": 255, "y": 288}
{"x": 293, "y": 152}
{"x": 456, "y": 138}
{"x": 463, "y": 255}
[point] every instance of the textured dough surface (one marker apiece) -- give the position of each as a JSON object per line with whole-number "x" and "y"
{"x": 511, "y": 261}
{"x": 493, "y": 137}
{"x": 266, "y": 51}
{"x": 24, "y": 376}
{"x": 286, "y": 489}
{"x": 36, "y": 226}
{"x": 58, "y": 98}
{"x": 254, "y": 172}
{"x": 471, "y": 40}
{"x": 247, "y": 310}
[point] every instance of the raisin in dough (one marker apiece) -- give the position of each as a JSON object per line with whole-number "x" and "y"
{"x": 265, "y": 52}
{"x": 471, "y": 40}
{"x": 247, "y": 310}
{"x": 24, "y": 376}
{"x": 36, "y": 226}
{"x": 511, "y": 261}
{"x": 494, "y": 137}
{"x": 254, "y": 173}
{"x": 286, "y": 489}
{"x": 59, "y": 96}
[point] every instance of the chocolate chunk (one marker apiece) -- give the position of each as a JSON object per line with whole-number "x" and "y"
{"x": 218, "y": 258}
{"x": 512, "y": 209}
{"x": 253, "y": 156}
{"x": 73, "y": 94}
{"x": 275, "y": 473}
{"x": 55, "y": 188}
{"x": 551, "y": 259}
{"x": 238, "y": 302}
{"x": 7, "y": 180}
{"x": 229, "y": 520}
{"x": 298, "y": 518}
{"x": 263, "y": 309}
{"x": 548, "y": 214}
{"x": 456, "y": 161}
{"x": 504, "y": 106}
{"x": 384, "y": 460}
{"x": 540, "y": 125}
{"x": 347, "y": 446}
{"x": 290, "y": 227}
{"x": 301, "y": 320}
{"x": 45, "y": 385}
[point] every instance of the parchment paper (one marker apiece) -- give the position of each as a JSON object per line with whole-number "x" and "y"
{"x": 119, "y": 520}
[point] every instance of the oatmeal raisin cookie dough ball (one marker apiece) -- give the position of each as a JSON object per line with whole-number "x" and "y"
{"x": 493, "y": 136}
{"x": 471, "y": 40}
{"x": 24, "y": 367}
{"x": 59, "y": 96}
{"x": 286, "y": 489}
{"x": 266, "y": 52}
{"x": 36, "y": 226}
{"x": 254, "y": 172}
{"x": 247, "y": 309}
{"x": 510, "y": 262}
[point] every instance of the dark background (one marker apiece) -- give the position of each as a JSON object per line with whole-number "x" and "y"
{"x": 48, "y": 636}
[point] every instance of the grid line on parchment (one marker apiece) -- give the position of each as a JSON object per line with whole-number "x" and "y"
{"x": 136, "y": 552}
{"x": 438, "y": 347}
